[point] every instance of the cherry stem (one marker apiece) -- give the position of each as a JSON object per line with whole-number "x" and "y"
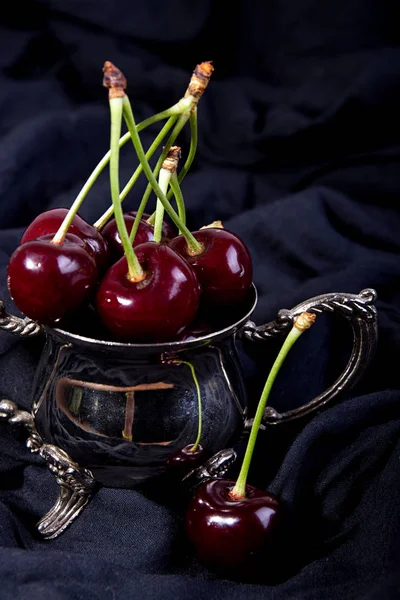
{"x": 163, "y": 182}
{"x": 135, "y": 271}
{"x": 194, "y": 246}
{"x": 168, "y": 169}
{"x": 302, "y": 322}
{"x": 142, "y": 206}
{"x": 173, "y": 112}
{"x": 109, "y": 213}
{"x": 189, "y": 160}
{"x": 199, "y": 404}
{"x": 178, "y": 197}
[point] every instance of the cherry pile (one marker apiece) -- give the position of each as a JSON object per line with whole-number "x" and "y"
{"x": 150, "y": 287}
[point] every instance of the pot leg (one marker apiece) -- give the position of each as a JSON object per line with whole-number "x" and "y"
{"x": 76, "y": 484}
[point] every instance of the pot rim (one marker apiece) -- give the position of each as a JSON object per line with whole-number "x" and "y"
{"x": 175, "y": 346}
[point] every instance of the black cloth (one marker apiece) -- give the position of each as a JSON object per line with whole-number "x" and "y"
{"x": 299, "y": 154}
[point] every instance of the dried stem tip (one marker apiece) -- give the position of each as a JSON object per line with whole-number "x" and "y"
{"x": 213, "y": 225}
{"x": 199, "y": 80}
{"x": 172, "y": 159}
{"x": 114, "y": 80}
{"x": 304, "y": 321}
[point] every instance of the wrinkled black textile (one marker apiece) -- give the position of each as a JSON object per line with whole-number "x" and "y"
{"x": 299, "y": 154}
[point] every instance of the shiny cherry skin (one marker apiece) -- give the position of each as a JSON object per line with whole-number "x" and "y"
{"x": 230, "y": 534}
{"x": 152, "y": 310}
{"x": 145, "y": 233}
{"x": 224, "y": 268}
{"x": 184, "y": 460}
{"x": 48, "y": 281}
{"x": 49, "y": 222}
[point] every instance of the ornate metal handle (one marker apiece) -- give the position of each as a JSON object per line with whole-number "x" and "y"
{"x": 23, "y": 327}
{"x": 361, "y": 313}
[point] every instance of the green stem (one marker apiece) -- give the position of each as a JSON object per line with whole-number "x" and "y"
{"x": 163, "y": 182}
{"x": 189, "y": 160}
{"x": 194, "y": 246}
{"x": 109, "y": 213}
{"x": 193, "y": 145}
{"x": 200, "y": 410}
{"x": 174, "y": 111}
{"x": 239, "y": 491}
{"x": 142, "y": 206}
{"x": 178, "y": 197}
{"x": 135, "y": 271}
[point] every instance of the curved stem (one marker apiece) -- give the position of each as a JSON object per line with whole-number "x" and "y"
{"x": 303, "y": 322}
{"x": 178, "y": 197}
{"x": 142, "y": 206}
{"x": 199, "y": 404}
{"x": 163, "y": 182}
{"x": 189, "y": 160}
{"x": 191, "y": 241}
{"x": 109, "y": 213}
{"x": 175, "y": 110}
{"x": 135, "y": 271}
{"x": 193, "y": 145}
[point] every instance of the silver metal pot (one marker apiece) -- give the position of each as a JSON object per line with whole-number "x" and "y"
{"x": 112, "y": 413}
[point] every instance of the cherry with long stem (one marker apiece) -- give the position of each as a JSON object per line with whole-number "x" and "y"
{"x": 187, "y": 458}
{"x": 231, "y": 524}
{"x": 157, "y": 301}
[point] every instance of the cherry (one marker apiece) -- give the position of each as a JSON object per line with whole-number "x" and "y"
{"x": 230, "y": 523}
{"x": 47, "y": 280}
{"x": 224, "y": 268}
{"x": 50, "y": 221}
{"x": 184, "y": 460}
{"x": 229, "y": 534}
{"x": 155, "y": 308}
{"x": 145, "y": 233}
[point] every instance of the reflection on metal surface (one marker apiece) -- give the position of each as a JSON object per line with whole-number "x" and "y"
{"x": 73, "y": 396}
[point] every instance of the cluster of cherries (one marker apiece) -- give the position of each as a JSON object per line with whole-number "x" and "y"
{"x": 150, "y": 287}
{"x": 49, "y": 280}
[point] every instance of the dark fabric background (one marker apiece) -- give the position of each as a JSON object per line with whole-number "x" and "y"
{"x": 299, "y": 154}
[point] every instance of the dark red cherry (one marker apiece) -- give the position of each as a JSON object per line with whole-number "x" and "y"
{"x": 48, "y": 281}
{"x": 185, "y": 460}
{"x": 230, "y": 534}
{"x": 145, "y": 233}
{"x": 48, "y": 223}
{"x": 168, "y": 232}
{"x": 152, "y": 310}
{"x": 224, "y": 268}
